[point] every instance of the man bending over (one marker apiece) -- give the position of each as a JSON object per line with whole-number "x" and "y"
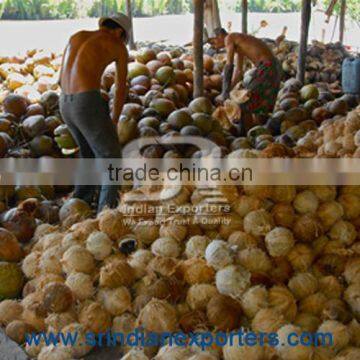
{"x": 264, "y": 83}
{"x": 82, "y": 107}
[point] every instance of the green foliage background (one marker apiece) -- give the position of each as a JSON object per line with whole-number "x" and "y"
{"x": 61, "y": 9}
{"x": 353, "y": 8}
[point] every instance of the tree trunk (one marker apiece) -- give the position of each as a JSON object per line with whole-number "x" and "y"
{"x": 244, "y": 16}
{"x": 129, "y": 14}
{"x": 305, "y": 23}
{"x": 342, "y": 21}
{"x": 198, "y": 48}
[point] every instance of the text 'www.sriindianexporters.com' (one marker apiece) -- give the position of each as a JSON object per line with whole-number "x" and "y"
{"x": 139, "y": 338}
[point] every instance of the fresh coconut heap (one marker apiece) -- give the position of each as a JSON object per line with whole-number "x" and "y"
{"x": 300, "y": 110}
{"x": 336, "y": 138}
{"x": 19, "y": 225}
{"x": 159, "y": 106}
{"x": 324, "y": 61}
{"x": 160, "y": 101}
{"x": 30, "y": 125}
{"x": 23, "y": 208}
{"x": 287, "y": 260}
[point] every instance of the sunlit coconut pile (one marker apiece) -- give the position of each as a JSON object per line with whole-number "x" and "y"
{"x": 287, "y": 260}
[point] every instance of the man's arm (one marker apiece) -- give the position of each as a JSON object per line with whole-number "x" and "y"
{"x": 239, "y": 69}
{"x": 62, "y": 64}
{"x": 229, "y": 67}
{"x": 120, "y": 83}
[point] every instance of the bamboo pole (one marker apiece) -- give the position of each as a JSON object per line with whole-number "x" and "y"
{"x": 305, "y": 23}
{"x": 129, "y": 14}
{"x": 198, "y": 48}
{"x": 244, "y": 16}
{"x": 342, "y": 21}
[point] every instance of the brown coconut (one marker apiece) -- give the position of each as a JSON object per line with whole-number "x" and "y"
{"x": 111, "y": 222}
{"x": 57, "y": 297}
{"x": 10, "y": 249}
{"x": 224, "y": 312}
{"x": 115, "y": 274}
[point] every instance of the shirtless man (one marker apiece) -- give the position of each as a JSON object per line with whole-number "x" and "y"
{"x": 264, "y": 83}
{"x": 82, "y": 107}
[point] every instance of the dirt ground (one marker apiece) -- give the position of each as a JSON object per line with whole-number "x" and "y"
{"x": 18, "y": 36}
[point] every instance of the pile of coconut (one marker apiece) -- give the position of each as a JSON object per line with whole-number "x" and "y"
{"x": 287, "y": 259}
{"x": 335, "y": 138}
{"x": 323, "y": 62}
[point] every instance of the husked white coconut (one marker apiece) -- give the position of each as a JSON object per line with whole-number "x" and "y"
{"x": 81, "y": 285}
{"x": 99, "y": 245}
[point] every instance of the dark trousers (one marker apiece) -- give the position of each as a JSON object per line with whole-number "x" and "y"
{"x": 87, "y": 117}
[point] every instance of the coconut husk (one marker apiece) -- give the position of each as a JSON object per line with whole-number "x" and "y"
{"x": 228, "y": 114}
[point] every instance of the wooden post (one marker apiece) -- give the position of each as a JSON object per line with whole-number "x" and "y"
{"x": 198, "y": 50}
{"x": 342, "y": 21}
{"x": 129, "y": 14}
{"x": 305, "y": 23}
{"x": 244, "y": 16}
{"x": 334, "y": 29}
{"x": 323, "y": 32}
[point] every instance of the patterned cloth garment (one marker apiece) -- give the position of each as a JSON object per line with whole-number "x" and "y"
{"x": 264, "y": 87}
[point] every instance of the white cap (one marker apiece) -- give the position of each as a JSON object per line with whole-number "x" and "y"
{"x": 122, "y": 20}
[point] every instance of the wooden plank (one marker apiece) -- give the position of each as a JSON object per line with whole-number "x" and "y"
{"x": 132, "y": 45}
{"x": 198, "y": 48}
{"x": 342, "y": 21}
{"x": 244, "y": 16}
{"x": 305, "y": 23}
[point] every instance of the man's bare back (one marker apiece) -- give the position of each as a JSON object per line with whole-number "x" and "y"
{"x": 86, "y": 56}
{"x": 250, "y": 47}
